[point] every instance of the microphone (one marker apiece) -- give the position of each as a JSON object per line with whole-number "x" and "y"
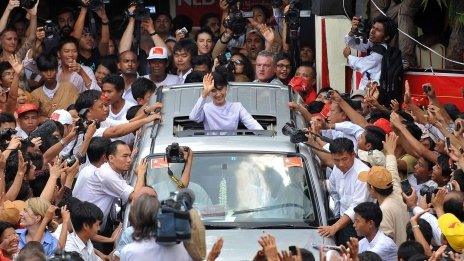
{"x": 187, "y": 196}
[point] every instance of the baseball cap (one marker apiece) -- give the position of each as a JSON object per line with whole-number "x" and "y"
{"x": 158, "y": 53}
{"x": 374, "y": 157}
{"x": 62, "y": 116}
{"x": 10, "y": 211}
{"x": 384, "y": 124}
{"x": 377, "y": 176}
{"x": 26, "y": 108}
{"x": 453, "y": 230}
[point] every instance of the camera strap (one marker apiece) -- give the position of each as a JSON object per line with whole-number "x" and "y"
{"x": 175, "y": 179}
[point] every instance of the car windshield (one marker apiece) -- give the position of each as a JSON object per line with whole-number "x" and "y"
{"x": 238, "y": 188}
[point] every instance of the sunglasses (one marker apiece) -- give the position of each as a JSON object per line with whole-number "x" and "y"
{"x": 237, "y": 62}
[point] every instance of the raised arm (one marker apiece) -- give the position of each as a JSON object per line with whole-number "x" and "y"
{"x": 126, "y": 128}
{"x": 354, "y": 116}
{"x": 128, "y": 36}
{"x": 56, "y": 171}
{"x": 13, "y": 93}
{"x": 18, "y": 181}
{"x": 103, "y": 44}
{"x": 55, "y": 150}
{"x": 188, "y": 156}
{"x": 197, "y": 114}
{"x": 4, "y": 20}
{"x": 150, "y": 28}
{"x": 79, "y": 25}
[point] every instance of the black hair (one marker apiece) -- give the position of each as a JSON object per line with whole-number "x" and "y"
{"x": 202, "y": 59}
{"x": 59, "y": 128}
{"x": 384, "y": 192}
{"x": 71, "y": 107}
{"x": 369, "y": 211}
{"x": 194, "y": 76}
{"x": 341, "y": 145}
{"x": 205, "y": 17}
{"x": 158, "y": 14}
{"x": 432, "y": 143}
{"x": 378, "y": 114}
{"x": 429, "y": 163}
{"x": 454, "y": 204}
{"x": 443, "y": 162}
{"x": 84, "y": 213}
{"x": 452, "y": 110}
{"x": 116, "y": 80}
{"x": 248, "y": 69}
{"x": 306, "y": 255}
{"x": 425, "y": 229}
{"x": 66, "y": 40}
{"x": 39, "y": 184}
{"x": 282, "y": 56}
{"x": 415, "y": 131}
{"x": 204, "y": 31}
{"x": 110, "y": 62}
{"x": 374, "y": 136}
{"x": 141, "y": 86}
{"x": 369, "y": 256}
{"x": 6, "y": 117}
{"x": 132, "y": 111}
{"x": 113, "y": 147}
{"x": 186, "y": 45}
{"x": 458, "y": 175}
{"x": 389, "y": 25}
{"x": 4, "y": 226}
{"x": 4, "y": 66}
{"x": 47, "y": 62}
{"x": 87, "y": 99}
{"x": 219, "y": 79}
{"x": 408, "y": 249}
{"x": 97, "y": 148}
{"x": 315, "y": 107}
{"x": 418, "y": 257}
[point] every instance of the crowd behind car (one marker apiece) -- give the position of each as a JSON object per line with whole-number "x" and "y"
{"x": 73, "y": 98}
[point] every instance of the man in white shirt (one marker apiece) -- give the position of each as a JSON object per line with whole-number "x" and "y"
{"x": 107, "y": 185}
{"x": 220, "y": 114}
{"x": 96, "y": 154}
{"x": 85, "y": 218}
{"x": 266, "y": 68}
{"x": 28, "y": 119}
{"x": 345, "y": 188}
{"x": 128, "y": 65}
{"x": 158, "y": 60}
{"x": 183, "y": 51}
{"x": 112, "y": 91}
{"x": 367, "y": 220}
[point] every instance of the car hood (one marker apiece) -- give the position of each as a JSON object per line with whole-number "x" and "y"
{"x": 242, "y": 244}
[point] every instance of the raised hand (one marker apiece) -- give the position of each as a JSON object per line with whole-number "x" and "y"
{"x": 16, "y": 64}
{"x": 216, "y": 250}
{"x": 58, "y": 168}
{"x": 40, "y": 34}
{"x": 147, "y": 25}
{"x": 407, "y": 93}
{"x": 142, "y": 167}
{"x": 101, "y": 12}
{"x": 33, "y": 10}
{"x": 267, "y": 32}
{"x": 269, "y": 246}
{"x": 50, "y": 214}
{"x": 14, "y": 143}
{"x": 208, "y": 84}
{"x": 22, "y": 166}
{"x": 389, "y": 145}
{"x": 395, "y": 105}
{"x": 12, "y": 4}
{"x": 65, "y": 214}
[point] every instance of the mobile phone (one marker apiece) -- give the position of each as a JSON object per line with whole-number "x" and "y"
{"x": 292, "y": 250}
{"x": 152, "y": 9}
{"x": 247, "y": 14}
{"x": 406, "y": 187}
{"x": 448, "y": 143}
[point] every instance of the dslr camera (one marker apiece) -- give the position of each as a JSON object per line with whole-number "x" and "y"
{"x": 141, "y": 12}
{"x": 50, "y": 29}
{"x": 69, "y": 159}
{"x": 27, "y": 4}
{"x": 235, "y": 20}
{"x": 428, "y": 191}
{"x": 173, "y": 219}
{"x": 82, "y": 125}
{"x": 296, "y": 135}
{"x": 174, "y": 153}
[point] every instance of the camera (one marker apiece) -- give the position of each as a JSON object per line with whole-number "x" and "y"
{"x": 296, "y": 135}
{"x": 362, "y": 32}
{"x": 236, "y": 23}
{"x": 427, "y": 191}
{"x": 449, "y": 187}
{"x": 141, "y": 12}
{"x": 50, "y": 29}
{"x": 28, "y": 4}
{"x": 83, "y": 124}
{"x": 174, "y": 153}
{"x": 6, "y": 134}
{"x": 69, "y": 159}
{"x": 173, "y": 219}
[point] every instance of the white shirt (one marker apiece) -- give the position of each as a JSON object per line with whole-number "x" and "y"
{"x": 50, "y": 93}
{"x": 128, "y": 97}
{"x": 21, "y": 133}
{"x": 83, "y": 177}
{"x": 433, "y": 221}
{"x": 224, "y": 117}
{"x": 347, "y": 190}
{"x": 75, "y": 244}
{"x": 334, "y": 134}
{"x": 417, "y": 187}
{"x": 382, "y": 245}
{"x": 368, "y": 65}
{"x": 103, "y": 188}
{"x": 170, "y": 80}
{"x": 148, "y": 250}
{"x": 182, "y": 77}
{"x": 77, "y": 80}
{"x": 121, "y": 115}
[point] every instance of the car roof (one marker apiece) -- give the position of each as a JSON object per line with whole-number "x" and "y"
{"x": 260, "y": 100}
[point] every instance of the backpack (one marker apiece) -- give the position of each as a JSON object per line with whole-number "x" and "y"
{"x": 391, "y": 77}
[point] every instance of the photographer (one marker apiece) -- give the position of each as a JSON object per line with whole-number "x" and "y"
{"x": 143, "y": 218}
{"x": 382, "y": 32}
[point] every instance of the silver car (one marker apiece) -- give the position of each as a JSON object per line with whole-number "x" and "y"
{"x": 245, "y": 184}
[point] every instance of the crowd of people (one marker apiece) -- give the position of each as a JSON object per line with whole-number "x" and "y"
{"x": 73, "y": 98}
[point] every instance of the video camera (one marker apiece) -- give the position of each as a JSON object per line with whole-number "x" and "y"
{"x": 173, "y": 219}
{"x": 362, "y": 32}
{"x": 174, "y": 153}
{"x": 235, "y": 21}
{"x": 296, "y": 135}
{"x": 141, "y": 12}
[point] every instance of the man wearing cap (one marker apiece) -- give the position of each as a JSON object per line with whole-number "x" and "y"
{"x": 385, "y": 187}
{"x": 28, "y": 119}
{"x": 158, "y": 61}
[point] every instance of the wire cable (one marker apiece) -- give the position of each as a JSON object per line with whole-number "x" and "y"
{"x": 410, "y": 37}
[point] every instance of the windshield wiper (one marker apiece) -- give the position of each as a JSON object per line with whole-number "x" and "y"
{"x": 277, "y": 226}
{"x": 244, "y": 211}
{"x": 220, "y": 226}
